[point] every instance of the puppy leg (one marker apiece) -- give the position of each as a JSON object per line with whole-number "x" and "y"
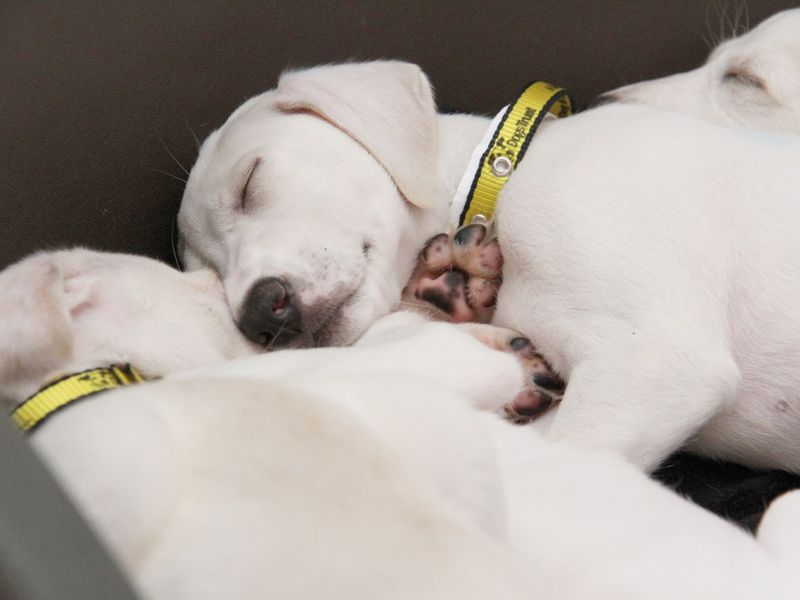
{"x": 474, "y": 249}
{"x": 458, "y": 278}
{"x": 647, "y": 398}
{"x": 543, "y": 387}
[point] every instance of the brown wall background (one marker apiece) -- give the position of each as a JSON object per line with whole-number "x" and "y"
{"x": 94, "y": 95}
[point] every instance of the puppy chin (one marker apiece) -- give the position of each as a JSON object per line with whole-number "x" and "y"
{"x": 338, "y": 331}
{"x": 355, "y": 317}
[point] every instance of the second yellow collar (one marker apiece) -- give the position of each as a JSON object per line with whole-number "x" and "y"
{"x": 63, "y": 392}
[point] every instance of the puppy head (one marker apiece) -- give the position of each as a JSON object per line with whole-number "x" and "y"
{"x": 750, "y": 81}
{"x": 66, "y": 311}
{"x": 305, "y": 201}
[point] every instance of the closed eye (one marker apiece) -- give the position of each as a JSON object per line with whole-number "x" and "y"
{"x": 245, "y": 188}
{"x": 740, "y": 76}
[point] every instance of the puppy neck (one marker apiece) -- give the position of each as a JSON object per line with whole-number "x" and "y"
{"x": 13, "y": 395}
{"x": 458, "y": 136}
{"x": 65, "y": 391}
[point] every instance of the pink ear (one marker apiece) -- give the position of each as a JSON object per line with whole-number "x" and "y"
{"x": 386, "y": 106}
{"x": 35, "y": 327}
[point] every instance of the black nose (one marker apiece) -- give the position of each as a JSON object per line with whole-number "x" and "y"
{"x": 269, "y": 313}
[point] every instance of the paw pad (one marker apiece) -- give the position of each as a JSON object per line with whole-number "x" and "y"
{"x": 457, "y": 277}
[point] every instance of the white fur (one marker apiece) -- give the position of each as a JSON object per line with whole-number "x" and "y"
{"x": 65, "y": 311}
{"x": 358, "y": 472}
{"x": 664, "y": 284}
{"x": 275, "y": 489}
{"x": 751, "y": 80}
{"x": 651, "y": 256}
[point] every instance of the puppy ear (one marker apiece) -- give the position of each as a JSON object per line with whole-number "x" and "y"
{"x": 386, "y": 106}
{"x": 35, "y": 325}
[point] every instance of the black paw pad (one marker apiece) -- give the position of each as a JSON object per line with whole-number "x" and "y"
{"x": 471, "y": 234}
{"x": 548, "y": 381}
{"x": 518, "y": 344}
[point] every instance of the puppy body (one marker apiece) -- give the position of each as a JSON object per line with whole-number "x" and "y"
{"x": 635, "y": 255}
{"x": 666, "y": 299}
{"x": 750, "y": 80}
{"x": 210, "y": 488}
{"x": 364, "y": 472}
{"x": 204, "y": 488}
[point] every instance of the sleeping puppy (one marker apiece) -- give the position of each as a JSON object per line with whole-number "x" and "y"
{"x": 208, "y": 489}
{"x": 631, "y": 245}
{"x": 750, "y": 80}
{"x": 313, "y": 200}
{"x": 359, "y": 472}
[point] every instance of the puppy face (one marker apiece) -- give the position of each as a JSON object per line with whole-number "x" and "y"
{"x": 66, "y": 311}
{"x": 302, "y": 201}
{"x": 751, "y": 80}
{"x": 320, "y": 220}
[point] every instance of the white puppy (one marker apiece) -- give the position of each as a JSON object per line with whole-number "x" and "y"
{"x": 751, "y": 80}
{"x": 652, "y": 257}
{"x": 343, "y": 473}
{"x": 212, "y": 489}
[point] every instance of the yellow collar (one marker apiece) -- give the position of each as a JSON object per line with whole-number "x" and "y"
{"x": 62, "y": 392}
{"x": 503, "y": 146}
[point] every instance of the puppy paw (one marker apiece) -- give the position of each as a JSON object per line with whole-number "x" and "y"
{"x": 457, "y": 277}
{"x": 476, "y": 252}
{"x": 543, "y": 387}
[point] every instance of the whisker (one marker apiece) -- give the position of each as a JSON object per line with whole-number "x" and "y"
{"x": 177, "y": 162}
{"x": 741, "y": 20}
{"x": 722, "y": 10}
{"x": 746, "y": 15}
{"x": 172, "y": 237}
{"x": 711, "y": 40}
{"x": 274, "y": 339}
{"x": 281, "y": 329}
{"x": 194, "y": 135}
{"x": 717, "y": 6}
{"x": 181, "y": 179}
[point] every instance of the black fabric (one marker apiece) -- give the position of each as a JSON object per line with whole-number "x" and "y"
{"x": 738, "y": 493}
